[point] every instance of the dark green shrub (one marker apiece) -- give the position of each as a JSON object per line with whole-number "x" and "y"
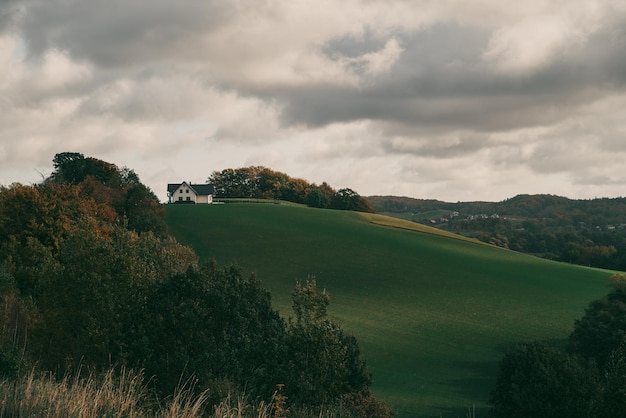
{"x": 536, "y": 381}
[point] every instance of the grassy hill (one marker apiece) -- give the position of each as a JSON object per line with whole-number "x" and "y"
{"x": 433, "y": 313}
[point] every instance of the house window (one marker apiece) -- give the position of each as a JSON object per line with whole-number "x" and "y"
{"x": 188, "y": 198}
{"x": 187, "y": 191}
{"x": 181, "y": 190}
{"x": 180, "y": 199}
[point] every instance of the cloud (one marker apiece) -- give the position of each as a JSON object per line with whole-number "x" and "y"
{"x": 532, "y": 43}
{"x": 446, "y": 98}
{"x": 118, "y": 33}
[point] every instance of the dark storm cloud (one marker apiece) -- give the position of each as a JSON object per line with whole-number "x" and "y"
{"x": 120, "y": 33}
{"x": 9, "y": 11}
{"x": 441, "y": 79}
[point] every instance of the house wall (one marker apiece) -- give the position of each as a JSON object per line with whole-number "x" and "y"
{"x": 184, "y": 193}
{"x": 204, "y": 199}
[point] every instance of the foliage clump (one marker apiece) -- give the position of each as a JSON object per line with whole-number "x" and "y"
{"x": 323, "y": 361}
{"x": 130, "y": 201}
{"x": 535, "y": 380}
{"x": 89, "y": 279}
{"x": 261, "y": 182}
{"x": 603, "y": 327}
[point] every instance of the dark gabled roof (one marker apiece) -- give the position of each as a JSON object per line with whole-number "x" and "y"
{"x": 171, "y": 187}
{"x": 200, "y": 189}
{"x": 203, "y": 189}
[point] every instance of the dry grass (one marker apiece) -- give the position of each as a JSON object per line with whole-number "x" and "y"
{"x": 391, "y": 222}
{"x": 118, "y": 394}
{"x": 115, "y": 395}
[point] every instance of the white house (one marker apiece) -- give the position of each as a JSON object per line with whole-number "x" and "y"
{"x": 190, "y": 193}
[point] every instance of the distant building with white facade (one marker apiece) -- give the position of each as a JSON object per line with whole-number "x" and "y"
{"x": 190, "y": 193}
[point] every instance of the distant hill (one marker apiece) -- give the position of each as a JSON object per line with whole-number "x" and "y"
{"x": 586, "y": 232}
{"x": 532, "y": 206}
{"x": 433, "y": 311}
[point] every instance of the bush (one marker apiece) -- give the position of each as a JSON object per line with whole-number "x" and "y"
{"x": 324, "y": 363}
{"x": 536, "y": 381}
{"x": 217, "y": 326}
{"x": 603, "y": 326}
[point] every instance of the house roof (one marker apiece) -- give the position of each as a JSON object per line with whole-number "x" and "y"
{"x": 200, "y": 189}
{"x": 203, "y": 189}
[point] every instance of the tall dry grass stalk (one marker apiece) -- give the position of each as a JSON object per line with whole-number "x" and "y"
{"x": 239, "y": 408}
{"x": 114, "y": 395}
{"x": 184, "y": 404}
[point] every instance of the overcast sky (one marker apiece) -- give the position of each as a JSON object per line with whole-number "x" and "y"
{"x": 452, "y": 100}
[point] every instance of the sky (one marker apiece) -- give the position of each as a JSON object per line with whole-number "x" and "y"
{"x": 455, "y": 100}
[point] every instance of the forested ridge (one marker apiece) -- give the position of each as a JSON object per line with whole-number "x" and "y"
{"x": 90, "y": 280}
{"x": 586, "y": 232}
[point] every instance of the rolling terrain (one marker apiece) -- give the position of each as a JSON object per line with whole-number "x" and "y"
{"x": 433, "y": 312}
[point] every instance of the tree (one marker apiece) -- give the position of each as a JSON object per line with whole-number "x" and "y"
{"x": 130, "y": 202}
{"x": 45, "y": 213}
{"x": 298, "y": 190}
{"x": 536, "y": 381}
{"x": 325, "y": 363}
{"x": 236, "y": 183}
{"x": 93, "y": 305}
{"x": 216, "y": 325}
{"x": 348, "y": 199}
{"x": 603, "y": 326}
{"x": 143, "y": 210}
{"x": 69, "y": 167}
{"x": 317, "y": 199}
{"x": 74, "y": 167}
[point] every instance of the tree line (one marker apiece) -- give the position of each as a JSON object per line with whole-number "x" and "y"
{"x": 581, "y": 244}
{"x": 89, "y": 278}
{"x": 259, "y": 182}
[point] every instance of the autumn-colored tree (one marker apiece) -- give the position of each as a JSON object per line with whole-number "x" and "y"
{"x": 44, "y": 212}
{"x": 77, "y": 276}
{"x": 298, "y": 190}
{"x": 132, "y": 203}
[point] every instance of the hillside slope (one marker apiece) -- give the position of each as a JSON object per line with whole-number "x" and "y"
{"x": 433, "y": 314}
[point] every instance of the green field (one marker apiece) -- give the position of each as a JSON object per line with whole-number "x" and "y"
{"x": 433, "y": 313}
